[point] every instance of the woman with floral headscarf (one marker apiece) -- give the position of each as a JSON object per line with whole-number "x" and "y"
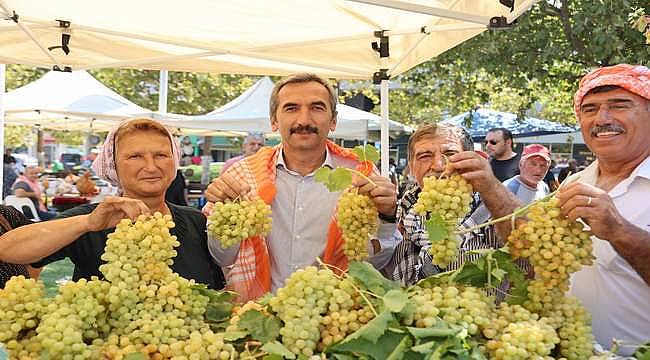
{"x": 140, "y": 157}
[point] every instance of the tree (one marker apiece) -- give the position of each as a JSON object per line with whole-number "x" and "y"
{"x": 537, "y": 62}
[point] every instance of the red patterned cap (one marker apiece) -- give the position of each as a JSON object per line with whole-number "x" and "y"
{"x": 633, "y": 78}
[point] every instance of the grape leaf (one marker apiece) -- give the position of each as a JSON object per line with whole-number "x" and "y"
{"x": 395, "y": 300}
{"x": 136, "y": 356}
{"x": 261, "y": 327}
{"x": 322, "y": 175}
{"x": 215, "y": 313}
{"x": 441, "y": 329}
{"x": 469, "y": 273}
{"x": 436, "y": 227}
{"x": 518, "y": 283}
{"x": 371, "y": 279}
{"x": 277, "y": 348}
{"x": 214, "y": 295}
{"x": 335, "y": 180}
{"x": 379, "y": 350}
{"x": 234, "y": 335}
{"x": 424, "y": 348}
{"x": 367, "y": 152}
{"x": 498, "y": 274}
{"x": 398, "y": 351}
{"x": 373, "y": 330}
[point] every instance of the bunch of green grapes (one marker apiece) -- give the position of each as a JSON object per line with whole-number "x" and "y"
{"x": 232, "y": 222}
{"x": 522, "y": 341}
{"x": 464, "y": 306}
{"x": 347, "y": 312}
{"x": 20, "y": 306}
{"x": 450, "y": 198}
{"x": 506, "y": 314}
{"x": 555, "y": 246}
{"x": 356, "y": 216}
{"x": 573, "y": 324}
{"x": 77, "y": 316}
{"x": 300, "y": 304}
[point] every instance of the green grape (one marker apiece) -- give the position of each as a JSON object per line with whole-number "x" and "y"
{"x": 450, "y": 198}
{"x": 356, "y": 216}
{"x": 347, "y": 312}
{"x": 457, "y": 305}
{"x": 555, "y": 246}
{"x": 21, "y": 306}
{"x": 232, "y": 222}
{"x": 301, "y": 304}
{"x": 522, "y": 341}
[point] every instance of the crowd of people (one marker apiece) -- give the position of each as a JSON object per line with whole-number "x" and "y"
{"x": 141, "y": 157}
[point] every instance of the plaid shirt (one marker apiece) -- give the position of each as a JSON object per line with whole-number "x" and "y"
{"x": 411, "y": 260}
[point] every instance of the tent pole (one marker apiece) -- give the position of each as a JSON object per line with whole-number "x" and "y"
{"x": 384, "y": 127}
{"x": 162, "y": 94}
{"x": 2, "y": 119}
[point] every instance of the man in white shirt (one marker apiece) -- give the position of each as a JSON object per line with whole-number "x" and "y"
{"x": 529, "y": 185}
{"x": 611, "y": 195}
{"x": 303, "y": 110}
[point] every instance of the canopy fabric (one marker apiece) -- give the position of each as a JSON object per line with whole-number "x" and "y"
{"x": 71, "y": 101}
{"x": 479, "y": 122}
{"x": 250, "y": 112}
{"x": 264, "y": 37}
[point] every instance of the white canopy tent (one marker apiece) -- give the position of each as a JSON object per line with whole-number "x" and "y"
{"x": 270, "y": 37}
{"x": 69, "y": 101}
{"x": 250, "y": 112}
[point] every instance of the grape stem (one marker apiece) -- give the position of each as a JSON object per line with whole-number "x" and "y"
{"x": 341, "y": 277}
{"x": 517, "y": 213}
{"x": 362, "y": 175}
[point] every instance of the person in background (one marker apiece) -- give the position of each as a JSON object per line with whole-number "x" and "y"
{"x": 9, "y": 174}
{"x": 187, "y": 150}
{"x": 27, "y": 186}
{"x": 140, "y": 157}
{"x": 252, "y": 143}
{"x": 550, "y": 179}
{"x": 504, "y": 162}
{"x": 303, "y": 110}
{"x": 529, "y": 185}
{"x": 572, "y": 168}
{"x": 88, "y": 162}
{"x": 611, "y": 195}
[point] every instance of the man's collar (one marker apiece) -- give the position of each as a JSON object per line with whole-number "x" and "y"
{"x": 329, "y": 161}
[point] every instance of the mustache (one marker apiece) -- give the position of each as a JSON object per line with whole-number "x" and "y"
{"x": 606, "y": 128}
{"x": 303, "y": 128}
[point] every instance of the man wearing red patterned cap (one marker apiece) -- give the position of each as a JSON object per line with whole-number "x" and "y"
{"x": 611, "y": 196}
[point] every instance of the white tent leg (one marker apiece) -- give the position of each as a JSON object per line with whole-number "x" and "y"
{"x": 2, "y": 119}
{"x": 384, "y": 127}
{"x": 162, "y": 93}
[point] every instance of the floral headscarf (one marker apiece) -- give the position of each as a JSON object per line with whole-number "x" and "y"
{"x": 104, "y": 165}
{"x": 633, "y": 78}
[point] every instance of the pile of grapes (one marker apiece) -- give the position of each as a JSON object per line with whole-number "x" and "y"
{"x": 450, "y": 198}
{"x": 143, "y": 310}
{"x": 231, "y": 222}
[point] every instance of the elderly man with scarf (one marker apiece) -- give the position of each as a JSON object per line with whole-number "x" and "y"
{"x": 303, "y": 110}
{"x": 611, "y": 196}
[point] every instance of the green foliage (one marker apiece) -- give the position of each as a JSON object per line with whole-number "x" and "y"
{"x": 261, "y": 327}
{"x": 436, "y": 227}
{"x": 370, "y": 279}
{"x": 16, "y": 136}
{"x": 276, "y": 348}
{"x": 335, "y": 180}
{"x": 490, "y": 270}
{"x": 366, "y": 153}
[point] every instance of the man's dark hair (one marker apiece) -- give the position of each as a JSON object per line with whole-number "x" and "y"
{"x": 8, "y": 159}
{"x": 507, "y": 134}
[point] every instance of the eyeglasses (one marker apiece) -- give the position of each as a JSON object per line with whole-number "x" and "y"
{"x": 493, "y": 142}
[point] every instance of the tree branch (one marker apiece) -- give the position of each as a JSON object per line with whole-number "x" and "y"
{"x": 568, "y": 32}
